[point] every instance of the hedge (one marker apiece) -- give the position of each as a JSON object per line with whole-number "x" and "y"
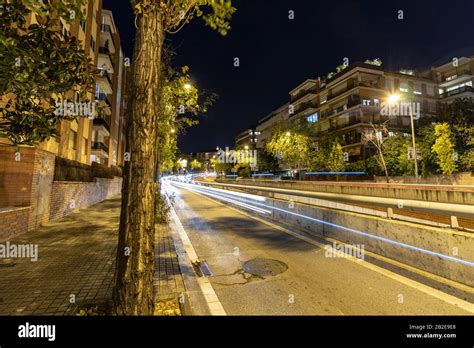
{"x": 69, "y": 170}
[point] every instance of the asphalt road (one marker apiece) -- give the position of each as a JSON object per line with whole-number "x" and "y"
{"x": 313, "y": 284}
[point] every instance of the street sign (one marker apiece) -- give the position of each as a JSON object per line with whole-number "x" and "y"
{"x": 411, "y": 154}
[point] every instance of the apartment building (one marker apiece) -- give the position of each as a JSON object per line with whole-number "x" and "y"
{"x": 27, "y": 186}
{"x": 354, "y": 98}
{"x": 108, "y": 132}
{"x": 247, "y": 139}
{"x": 75, "y": 137}
{"x": 267, "y": 124}
{"x": 455, "y": 79}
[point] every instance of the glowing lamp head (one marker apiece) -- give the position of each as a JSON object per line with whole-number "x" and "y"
{"x": 393, "y": 98}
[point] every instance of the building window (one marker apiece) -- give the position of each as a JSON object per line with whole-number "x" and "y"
{"x": 403, "y": 87}
{"x": 370, "y": 102}
{"x": 85, "y": 144}
{"x": 83, "y": 25}
{"x": 72, "y": 140}
{"x": 417, "y": 89}
{"x": 312, "y": 118}
{"x": 92, "y": 44}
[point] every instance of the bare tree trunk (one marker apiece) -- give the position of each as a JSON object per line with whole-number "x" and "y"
{"x": 384, "y": 165}
{"x": 133, "y": 289}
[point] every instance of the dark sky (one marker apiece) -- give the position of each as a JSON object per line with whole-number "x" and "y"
{"x": 276, "y": 53}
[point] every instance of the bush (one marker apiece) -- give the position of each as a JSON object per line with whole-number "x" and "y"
{"x": 69, "y": 170}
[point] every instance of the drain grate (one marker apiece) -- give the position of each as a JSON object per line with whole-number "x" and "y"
{"x": 264, "y": 267}
{"x": 201, "y": 268}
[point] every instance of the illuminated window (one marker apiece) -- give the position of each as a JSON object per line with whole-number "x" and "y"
{"x": 312, "y": 118}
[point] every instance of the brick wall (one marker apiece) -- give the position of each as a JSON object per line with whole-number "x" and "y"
{"x": 29, "y": 197}
{"x": 68, "y": 196}
{"x": 14, "y": 222}
{"x": 16, "y": 176}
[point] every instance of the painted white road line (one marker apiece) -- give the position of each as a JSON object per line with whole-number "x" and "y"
{"x": 215, "y": 306}
{"x": 467, "y": 306}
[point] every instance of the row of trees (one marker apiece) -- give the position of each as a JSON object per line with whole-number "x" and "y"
{"x": 445, "y": 143}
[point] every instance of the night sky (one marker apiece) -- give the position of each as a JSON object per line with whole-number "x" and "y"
{"x": 276, "y": 53}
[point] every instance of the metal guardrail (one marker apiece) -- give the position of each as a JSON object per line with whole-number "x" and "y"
{"x": 328, "y": 200}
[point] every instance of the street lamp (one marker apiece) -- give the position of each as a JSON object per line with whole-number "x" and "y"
{"x": 392, "y": 99}
{"x": 187, "y": 86}
{"x": 246, "y": 147}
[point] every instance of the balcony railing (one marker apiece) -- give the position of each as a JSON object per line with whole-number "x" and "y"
{"x": 105, "y": 28}
{"x": 305, "y": 106}
{"x": 105, "y": 50}
{"x": 98, "y": 145}
{"x": 302, "y": 93}
{"x": 456, "y": 91}
{"x": 101, "y": 121}
{"x": 353, "y": 84}
{"x": 103, "y": 97}
{"x": 105, "y": 74}
{"x": 451, "y": 76}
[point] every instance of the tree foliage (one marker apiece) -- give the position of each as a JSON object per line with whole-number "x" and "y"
{"x": 180, "y": 103}
{"x": 39, "y": 64}
{"x": 291, "y": 144}
{"x": 177, "y": 13}
{"x": 444, "y": 148}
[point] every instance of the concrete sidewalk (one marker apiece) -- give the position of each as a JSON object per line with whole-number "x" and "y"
{"x": 76, "y": 261}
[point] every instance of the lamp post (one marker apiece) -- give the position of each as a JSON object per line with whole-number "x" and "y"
{"x": 392, "y": 99}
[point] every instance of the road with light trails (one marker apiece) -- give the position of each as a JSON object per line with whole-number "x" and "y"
{"x": 313, "y": 284}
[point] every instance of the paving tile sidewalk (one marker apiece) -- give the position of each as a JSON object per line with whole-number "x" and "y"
{"x": 76, "y": 256}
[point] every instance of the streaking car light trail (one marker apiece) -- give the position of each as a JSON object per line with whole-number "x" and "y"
{"x": 227, "y": 199}
{"x": 225, "y": 196}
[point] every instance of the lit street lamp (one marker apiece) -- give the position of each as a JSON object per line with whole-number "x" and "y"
{"x": 392, "y": 99}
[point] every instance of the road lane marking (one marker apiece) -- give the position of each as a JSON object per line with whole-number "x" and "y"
{"x": 215, "y": 306}
{"x": 467, "y": 306}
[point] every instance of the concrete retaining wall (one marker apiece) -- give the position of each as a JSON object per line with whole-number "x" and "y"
{"x": 456, "y": 195}
{"x": 444, "y": 241}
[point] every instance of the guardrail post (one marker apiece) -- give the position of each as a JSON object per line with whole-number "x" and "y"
{"x": 389, "y": 213}
{"x": 454, "y": 221}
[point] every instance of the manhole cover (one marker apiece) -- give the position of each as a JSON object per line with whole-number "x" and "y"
{"x": 264, "y": 267}
{"x": 7, "y": 263}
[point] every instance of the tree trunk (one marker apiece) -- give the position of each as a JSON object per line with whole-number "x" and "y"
{"x": 382, "y": 159}
{"x": 133, "y": 288}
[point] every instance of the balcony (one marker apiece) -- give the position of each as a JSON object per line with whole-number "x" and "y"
{"x": 105, "y": 28}
{"x": 456, "y": 91}
{"x": 100, "y": 146}
{"x": 105, "y": 73}
{"x": 301, "y": 94}
{"x": 305, "y": 107}
{"x": 453, "y": 76}
{"x": 105, "y": 51}
{"x": 101, "y": 97}
{"x": 101, "y": 121}
{"x": 351, "y": 84}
